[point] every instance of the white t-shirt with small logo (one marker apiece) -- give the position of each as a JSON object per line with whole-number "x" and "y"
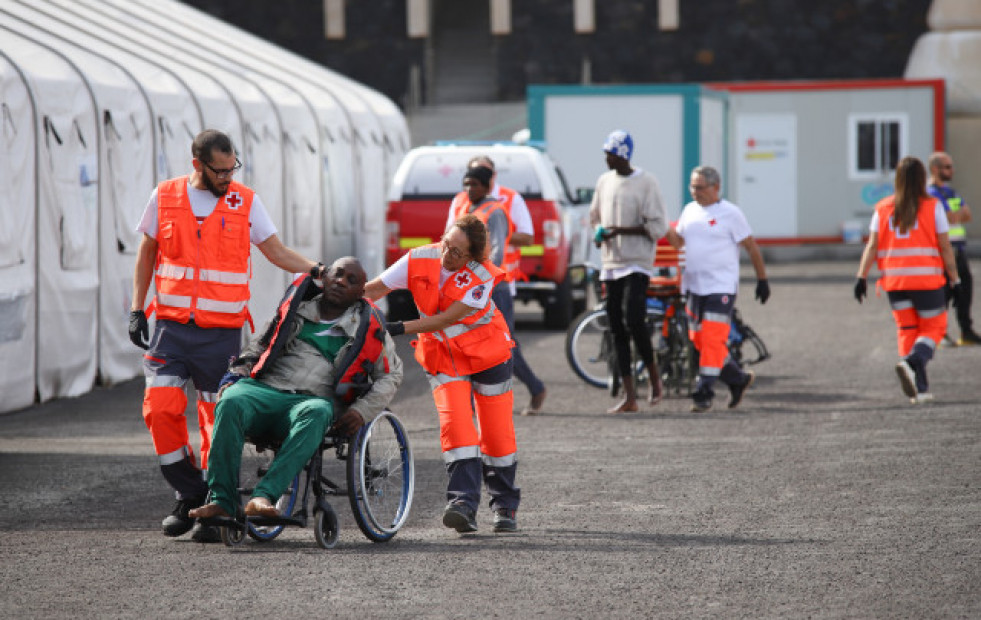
{"x": 203, "y": 203}
{"x": 397, "y": 277}
{"x": 712, "y": 235}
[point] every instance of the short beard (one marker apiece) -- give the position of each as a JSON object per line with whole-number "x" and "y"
{"x": 212, "y": 187}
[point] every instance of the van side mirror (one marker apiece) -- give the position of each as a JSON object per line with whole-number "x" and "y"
{"x": 584, "y": 195}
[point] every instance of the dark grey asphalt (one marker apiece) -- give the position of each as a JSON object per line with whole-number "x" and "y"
{"x": 826, "y": 494}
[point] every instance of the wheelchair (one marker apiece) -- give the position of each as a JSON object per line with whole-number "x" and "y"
{"x": 380, "y": 482}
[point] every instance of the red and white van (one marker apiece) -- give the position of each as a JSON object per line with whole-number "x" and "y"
{"x": 430, "y": 176}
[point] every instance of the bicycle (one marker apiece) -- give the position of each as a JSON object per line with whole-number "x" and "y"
{"x": 589, "y": 345}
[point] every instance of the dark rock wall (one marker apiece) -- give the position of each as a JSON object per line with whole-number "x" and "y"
{"x": 718, "y": 40}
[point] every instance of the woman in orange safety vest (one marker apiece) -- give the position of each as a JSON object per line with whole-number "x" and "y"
{"x": 465, "y": 348}
{"x": 909, "y": 242}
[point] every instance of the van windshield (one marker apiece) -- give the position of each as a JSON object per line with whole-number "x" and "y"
{"x": 440, "y": 175}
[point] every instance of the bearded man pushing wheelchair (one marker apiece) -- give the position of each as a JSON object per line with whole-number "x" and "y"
{"x": 317, "y": 365}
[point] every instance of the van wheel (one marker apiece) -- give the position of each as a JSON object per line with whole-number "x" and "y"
{"x": 401, "y": 307}
{"x": 558, "y": 306}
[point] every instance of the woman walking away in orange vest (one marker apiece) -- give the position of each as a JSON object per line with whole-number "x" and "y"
{"x": 465, "y": 348}
{"x": 908, "y": 240}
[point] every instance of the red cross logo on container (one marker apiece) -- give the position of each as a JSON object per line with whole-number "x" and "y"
{"x": 233, "y": 200}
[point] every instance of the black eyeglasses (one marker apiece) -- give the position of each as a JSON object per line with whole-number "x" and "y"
{"x": 224, "y": 173}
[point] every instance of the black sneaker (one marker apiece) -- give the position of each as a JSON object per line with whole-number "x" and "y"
{"x": 505, "y": 520}
{"x": 702, "y": 400}
{"x": 459, "y": 518}
{"x": 178, "y": 523}
{"x": 736, "y": 391}
{"x": 205, "y": 534}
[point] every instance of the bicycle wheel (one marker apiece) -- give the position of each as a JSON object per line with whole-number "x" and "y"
{"x": 675, "y": 358}
{"x": 381, "y": 477}
{"x": 255, "y": 464}
{"x": 588, "y": 348}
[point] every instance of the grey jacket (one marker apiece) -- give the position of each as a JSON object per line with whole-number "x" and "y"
{"x": 302, "y": 368}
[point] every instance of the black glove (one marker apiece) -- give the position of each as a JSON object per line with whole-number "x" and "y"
{"x": 395, "y": 329}
{"x": 139, "y": 331}
{"x": 861, "y": 289}
{"x": 762, "y": 290}
{"x": 956, "y": 292}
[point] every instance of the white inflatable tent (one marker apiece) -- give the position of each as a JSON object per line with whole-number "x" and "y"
{"x": 301, "y": 227}
{"x": 125, "y": 160}
{"x": 180, "y": 93}
{"x": 18, "y": 222}
{"x": 379, "y": 138}
{"x": 258, "y": 138}
{"x": 66, "y": 177}
{"x": 337, "y": 191}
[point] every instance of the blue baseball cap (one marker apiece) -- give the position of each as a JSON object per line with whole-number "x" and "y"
{"x": 619, "y": 143}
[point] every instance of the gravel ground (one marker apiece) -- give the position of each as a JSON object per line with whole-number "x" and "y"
{"x": 825, "y": 494}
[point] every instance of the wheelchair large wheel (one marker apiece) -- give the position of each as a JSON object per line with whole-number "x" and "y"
{"x": 255, "y": 464}
{"x": 588, "y": 348}
{"x": 381, "y": 477}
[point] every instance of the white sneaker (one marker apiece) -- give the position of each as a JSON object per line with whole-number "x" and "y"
{"x": 922, "y": 397}
{"x": 907, "y": 378}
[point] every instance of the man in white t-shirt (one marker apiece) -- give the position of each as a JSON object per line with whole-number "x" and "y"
{"x": 711, "y": 230}
{"x": 197, "y": 232}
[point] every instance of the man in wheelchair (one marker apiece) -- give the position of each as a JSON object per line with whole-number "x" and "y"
{"x": 324, "y": 361}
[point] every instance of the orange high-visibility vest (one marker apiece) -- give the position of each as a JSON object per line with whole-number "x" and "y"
{"x": 909, "y": 261}
{"x": 461, "y": 206}
{"x": 203, "y": 270}
{"x": 480, "y": 340}
{"x": 512, "y": 255}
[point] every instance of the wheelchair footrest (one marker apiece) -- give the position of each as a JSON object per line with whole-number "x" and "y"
{"x": 267, "y": 521}
{"x": 298, "y": 520}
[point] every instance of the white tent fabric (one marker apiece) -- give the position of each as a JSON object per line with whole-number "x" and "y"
{"x": 106, "y": 97}
{"x": 126, "y": 160}
{"x": 18, "y": 205}
{"x": 67, "y": 220}
{"x": 299, "y": 151}
{"x": 378, "y": 139}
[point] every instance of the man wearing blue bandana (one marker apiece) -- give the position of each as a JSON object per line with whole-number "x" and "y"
{"x": 628, "y": 215}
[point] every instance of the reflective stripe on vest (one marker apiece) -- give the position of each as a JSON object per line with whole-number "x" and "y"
{"x": 957, "y": 232}
{"x": 203, "y": 270}
{"x": 910, "y": 260}
{"x": 452, "y": 351}
{"x": 512, "y": 255}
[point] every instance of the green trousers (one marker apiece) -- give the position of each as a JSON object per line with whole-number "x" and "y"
{"x": 252, "y": 409}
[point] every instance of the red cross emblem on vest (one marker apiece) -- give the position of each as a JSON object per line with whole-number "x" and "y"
{"x": 462, "y": 279}
{"x": 233, "y": 200}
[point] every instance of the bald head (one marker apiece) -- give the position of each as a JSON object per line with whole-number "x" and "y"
{"x": 344, "y": 282}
